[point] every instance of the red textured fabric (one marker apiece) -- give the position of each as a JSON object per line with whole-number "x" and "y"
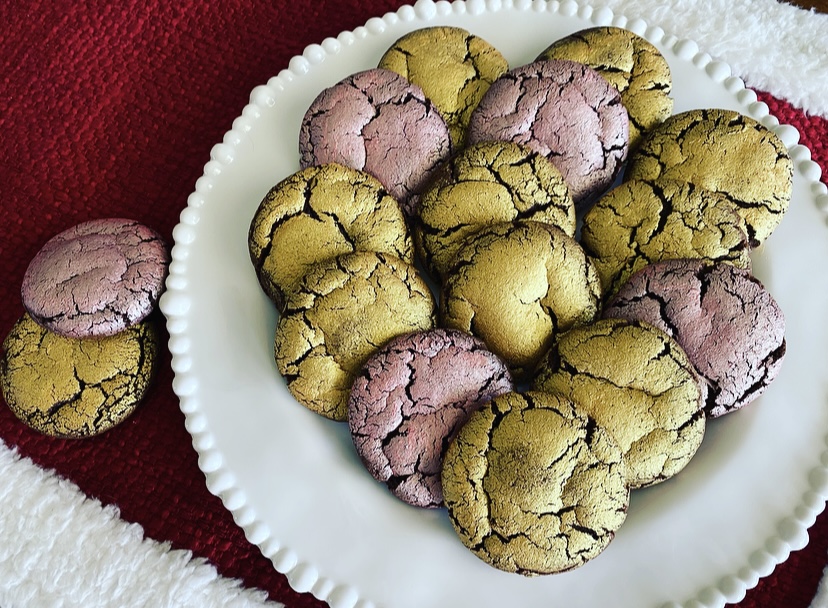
{"x": 111, "y": 111}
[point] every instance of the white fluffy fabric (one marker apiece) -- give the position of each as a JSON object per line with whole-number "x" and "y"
{"x": 821, "y": 599}
{"x": 773, "y": 46}
{"x": 61, "y": 549}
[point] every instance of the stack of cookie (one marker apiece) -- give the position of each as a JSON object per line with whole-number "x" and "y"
{"x": 568, "y": 369}
{"x": 332, "y": 251}
{"x": 81, "y": 358}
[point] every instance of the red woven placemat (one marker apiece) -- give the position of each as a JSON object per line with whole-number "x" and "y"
{"x": 112, "y": 112}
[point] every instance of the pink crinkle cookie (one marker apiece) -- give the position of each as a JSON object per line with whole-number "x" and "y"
{"x": 411, "y": 398}
{"x": 565, "y": 111}
{"x": 96, "y": 279}
{"x": 731, "y": 328}
{"x": 376, "y": 121}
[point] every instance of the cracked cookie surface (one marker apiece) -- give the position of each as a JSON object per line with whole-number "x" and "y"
{"x": 631, "y": 64}
{"x": 565, "y": 111}
{"x": 96, "y": 278}
{"x": 641, "y": 222}
{"x": 485, "y": 184}
{"x": 76, "y": 387}
{"x": 533, "y": 485}
{"x": 411, "y": 398}
{"x": 731, "y": 328}
{"x": 723, "y": 151}
{"x": 453, "y": 67}
{"x": 343, "y": 312}
{"x": 377, "y": 122}
{"x": 638, "y": 384}
{"x": 317, "y": 214}
{"x": 516, "y": 286}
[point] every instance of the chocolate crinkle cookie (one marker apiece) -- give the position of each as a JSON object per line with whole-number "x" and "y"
{"x": 485, "y": 184}
{"x": 76, "y": 387}
{"x": 317, "y": 214}
{"x": 343, "y": 312}
{"x": 639, "y": 385}
{"x": 377, "y": 122}
{"x": 631, "y": 64}
{"x": 453, "y": 67}
{"x": 533, "y": 485}
{"x": 731, "y": 328}
{"x": 565, "y": 111}
{"x": 726, "y": 152}
{"x": 409, "y": 401}
{"x": 97, "y": 278}
{"x": 641, "y": 222}
{"x": 518, "y": 286}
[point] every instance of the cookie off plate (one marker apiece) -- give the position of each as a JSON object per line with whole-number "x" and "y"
{"x": 293, "y": 480}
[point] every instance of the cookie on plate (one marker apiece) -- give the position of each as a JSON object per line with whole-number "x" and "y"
{"x": 317, "y": 214}
{"x": 411, "y": 398}
{"x": 631, "y": 64}
{"x": 731, "y": 328}
{"x": 638, "y": 384}
{"x": 565, "y": 111}
{"x": 723, "y": 151}
{"x": 344, "y": 311}
{"x": 76, "y": 387}
{"x": 516, "y": 286}
{"x": 533, "y": 485}
{"x": 377, "y": 122}
{"x": 96, "y": 278}
{"x": 641, "y": 222}
{"x": 453, "y": 67}
{"x": 485, "y": 184}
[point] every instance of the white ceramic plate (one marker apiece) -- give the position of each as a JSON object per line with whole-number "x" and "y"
{"x": 291, "y": 478}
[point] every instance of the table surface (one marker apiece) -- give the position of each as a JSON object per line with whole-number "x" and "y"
{"x": 111, "y": 112}
{"x": 818, "y": 5}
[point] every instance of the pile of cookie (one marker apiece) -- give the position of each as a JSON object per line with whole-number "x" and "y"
{"x": 564, "y": 368}
{"x": 82, "y": 356}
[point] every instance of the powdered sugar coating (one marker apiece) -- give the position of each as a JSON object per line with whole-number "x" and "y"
{"x": 377, "y": 122}
{"x": 565, "y": 111}
{"x": 409, "y": 401}
{"x": 96, "y": 278}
